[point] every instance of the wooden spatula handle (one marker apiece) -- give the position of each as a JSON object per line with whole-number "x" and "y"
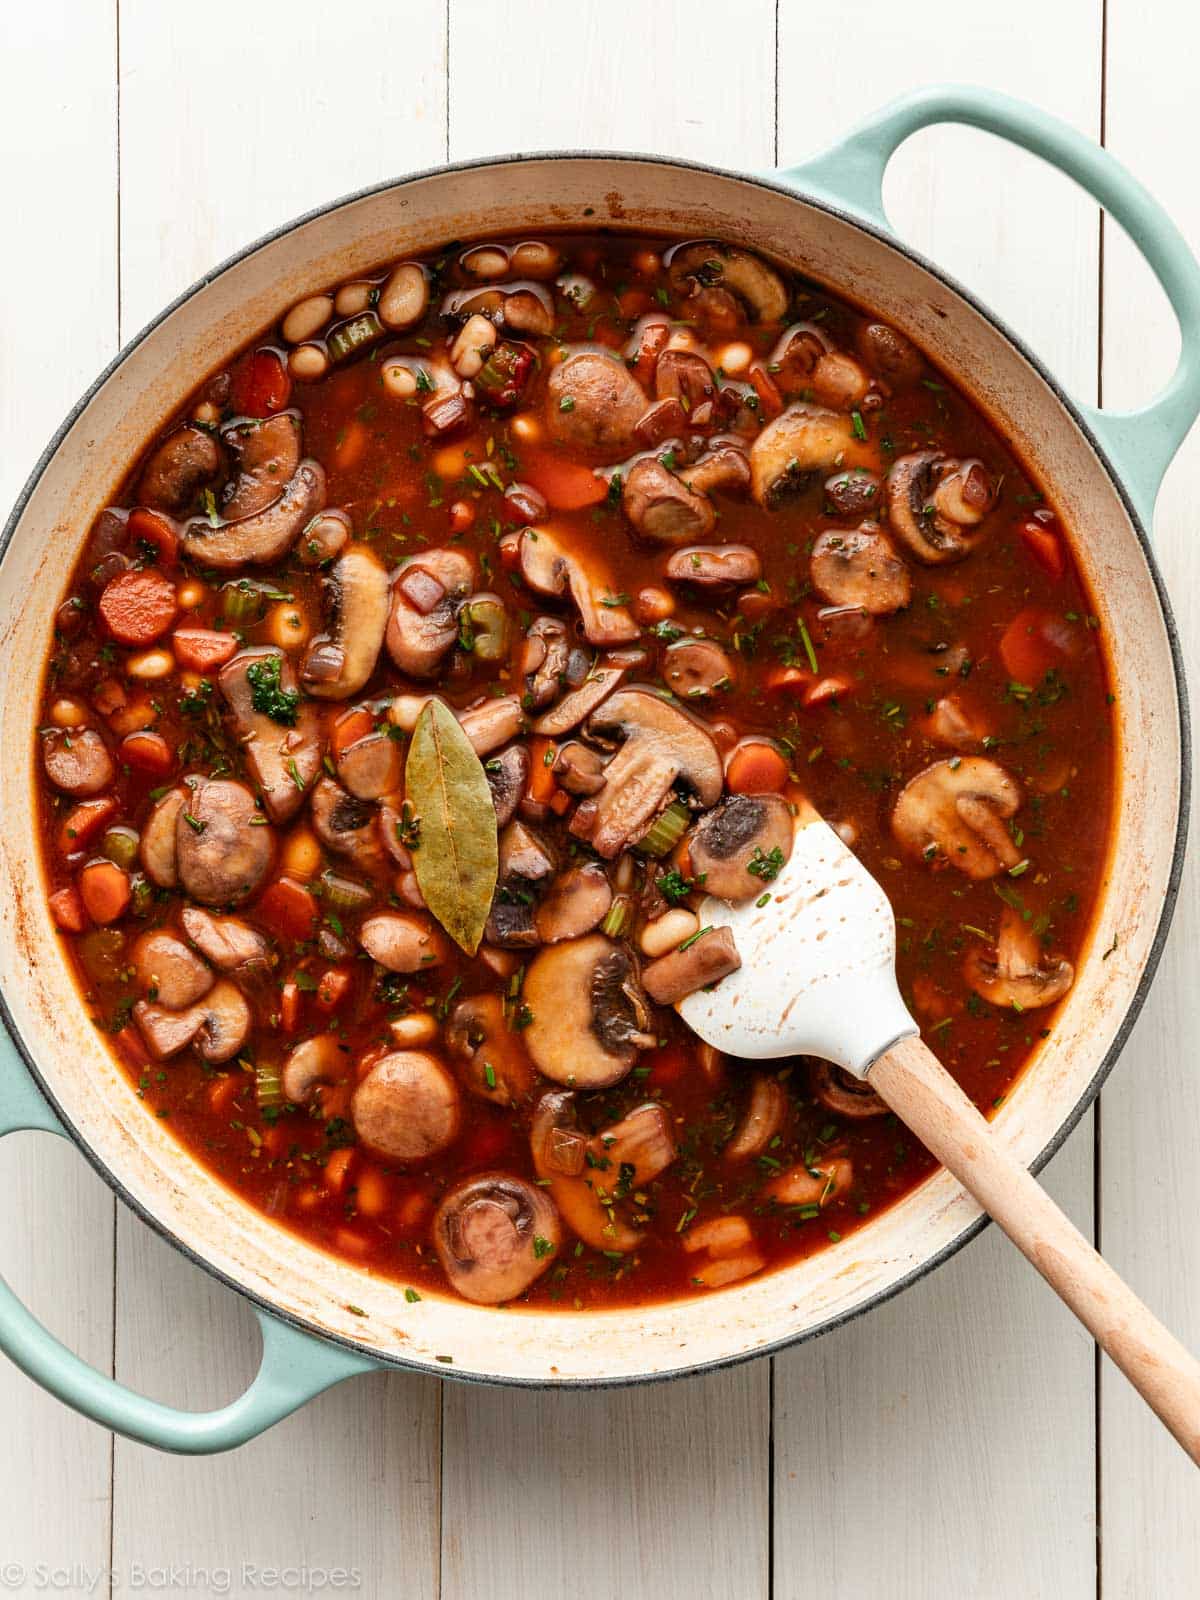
{"x": 929, "y": 1102}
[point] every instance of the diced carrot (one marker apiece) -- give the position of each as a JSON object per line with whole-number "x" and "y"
{"x": 105, "y": 891}
{"x": 351, "y": 446}
{"x": 289, "y": 1006}
{"x": 138, "y": 607}
{"x": 132, "y": 1046}
{"x": 202, "y": 649}
{"x": 654, "y": 342}
{"x": 541, "y": 785}
{"x": 787, "y": 680}
{"x": 336, "y": 1169}
{"x": 276, "y": 1139}
{"x": 139, "y": 713}
{"x": 260, "y": 385}
{"x": 83, "y": 822}
{"x": 828, "y": 688}
{"x": 147, "y": 752}
{"x": 767, "y": 390}
{"x": 152, "y": 528}
{"x": 1045, "y": 547}
{"x": 350, "y": 1242}
{"x": 66, "y": 908}
{"x": 462, "y": 516}
{"x": 349, "y": 728}
{"x": 225, "y": 1090}
{"x": 756, "y": 769}
{"x": 1036, "y": 640}
{"x": 372, "y": 1192}
{"x": 565, "y": 485}
{"x": 560, "y": 802}
{"x": 289, "y": 909}
{"x": 413, "y": 1210}
{"x": 308, "y": 1198}
{"x": 332, "y": 989}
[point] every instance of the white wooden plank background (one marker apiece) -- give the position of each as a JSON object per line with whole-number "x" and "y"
{"x": 955, "y": 1442}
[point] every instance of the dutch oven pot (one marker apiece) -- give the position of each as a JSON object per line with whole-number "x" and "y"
{"x": 324, "y": 1319}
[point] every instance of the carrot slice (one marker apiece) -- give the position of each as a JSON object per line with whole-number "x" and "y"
{"x": 225, "y": 1091}
{"x": 66, "y": 908}
{"x": 83, "y": 822}
{"x": 150, "y": 527}
{"x": 147, "y": 752}
{"x": 349, "y": 728}
{"x": 138, "y": 607}
{"x": 565, "y": 485}
{"x": 104, "y": 889}
{"x": 337, "y": 1168}
{"x": 542, "y": 786}
{"x": 202, "y": 649}
{"x": 1036, "y": 640}
{"x": 756, "y": 769}
{"x": 289, "y": 1006}
{"x": 1045, "y": 548}
{"x": 289, "y": 910}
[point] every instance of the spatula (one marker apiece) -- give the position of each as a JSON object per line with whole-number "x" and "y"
{"x": 818, "y": 978}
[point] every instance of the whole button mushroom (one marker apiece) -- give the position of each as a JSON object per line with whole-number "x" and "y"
{"x": 593, "y": 403}
{"x": 223, "y": 843}
{"x": 408, "y": 1107}
{"x": 495, "y": 1234}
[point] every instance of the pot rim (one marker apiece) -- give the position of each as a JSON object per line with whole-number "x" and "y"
{"x": 778, "y": 185}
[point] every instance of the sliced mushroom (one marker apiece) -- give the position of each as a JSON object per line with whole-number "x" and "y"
{"x": 855, "y": 493}
{"x": 157, "y": 848}
{"x": 861, "y": 569}
{"x": 739, "y": 848}
{"x": 575, "y": 903}
{"x": 631, "y": 1152}
{"x": 525, "y": 862}
{"x": 711, "y": 566}
{"x": 508, "y": 779}
{"x": 549, "y": 567}
{"x": 495, "y": 1234}
{"x": 661, "y": 746}
{"x": 709, "y": 264}
{"x": 168, "y": 972}
{"x": 792, "y": 450}
{"x": 417, "y": 638}
{"x": 588, "y": 1014}
{"x": 492, "y": 724}
{"x": 543, "y": 660}
{"x": 937, "y": 503}
{"x": 183, "y": 464}
{"x": 704, "y": 959}
{"x": 326, "y": 536}
{"x": 955, "y": 811}
{"x": 694, "y": 669}
{"x": 955, "y": 723}
{"x": 1018, "y": 975}
{"x": 230, "y": 944}
{"x": 685, "y": 377}
{"x": 346, "y": 825}
{"x": 263, "y": 537}
{"x": 725, "y": 467}
{"x": 268, "y": 454}
{"x": 844, "y": 1094}
{"x": 761, "y": 1121}
{"x": 223, "y": 843}
{"x": 559, "y": 1149}
{"x": 77, "y": 761}
{"x": 283, "y": 760}
{"x": 408, "y": 1107}
{"x": 478, "y": 1032}
{"x": 593, "y": 403}
{"x": 338, "y": 663}
{"x": 313, "y": 1064}
{"x": 573, "y": 708}
{"x": 660, "y": 507}
{"x": 218, "y": 1025}
{"x": 371, "y": 767}
{"x": 578, "y": 768}
{"x": 402, "y": 941}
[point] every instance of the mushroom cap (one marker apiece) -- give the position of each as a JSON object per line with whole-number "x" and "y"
{"x": 312, "y": 1062}
{"x": 508, "y": 778}
{"x": 762, "y": 1119}
{"x": 356, "y": 596}
{"x": 277, "y": 755}
{"x": 224, "y": 848}
{"x": 589, "y": 1017}
{"x": 604, "y": 403}
{"x": 714, "y": 565}
{"x": 576, "y": 902}
{"x": 542, "y": 663}
{"x": 179, "y": 468}
{"x": 955, "y": 810}
{"x": 696, "y": 668}
{"x": 346, "y": 825}
{"x": 736, "y": 836}
{"x": 417, "y": 640}
{"x": 803, "y": 441}
{"x": 495, "y": 1234}
{"x": 408, "y": 1107}
{"x": 265, "y": 536}
{"x": 218, "y": 1025}
{"x": 579, "y": 703}
{"x": 1018, "y": 975}
{"x": 493, "y": 723}
{"x": 559, "y": 1150}
{"x": 229, "y": 943}
{"x": 712, "y": 263}
{"x": 157, "y": 848}
{"x": 662, "y": 744}
{"x": 371, "y": 767}
{"x": 860, "y": 568}
{"x": 845, "y": 1094}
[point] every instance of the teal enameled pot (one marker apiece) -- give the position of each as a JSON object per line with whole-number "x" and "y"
{"x": 323, "y": 1319}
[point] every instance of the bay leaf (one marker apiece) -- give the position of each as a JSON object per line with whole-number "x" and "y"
{"x": 456, "y": 858}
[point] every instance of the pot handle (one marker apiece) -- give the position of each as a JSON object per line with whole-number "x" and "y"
{"x": 849, "y": 176}
{"x": 295, "y": 1367}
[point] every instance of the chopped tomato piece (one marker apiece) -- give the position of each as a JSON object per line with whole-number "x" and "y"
{"x": 565, "y": 485}
{"x": 104, "y": 889}
{"x": 66, "y": 908}
{"x": 261, "y": 385}
{"x": 152, "y": 528}
{"x": 147, "y": 752}
{"x": 202, "y": 649}
{"x": 332, "y": 988}
{"x": 83, "y": 822}
{"x": 756, "y": 769}
{"x": 138, "y": 607}
{"x": 1045, "y": 547}
{"x": 1037, "y": 640}
{"x": 289, "y": 909}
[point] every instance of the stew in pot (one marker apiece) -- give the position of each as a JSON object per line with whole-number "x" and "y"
{"x": 442, "y": 652}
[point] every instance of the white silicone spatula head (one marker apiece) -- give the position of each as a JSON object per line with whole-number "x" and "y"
{"x": 818, "y": 953}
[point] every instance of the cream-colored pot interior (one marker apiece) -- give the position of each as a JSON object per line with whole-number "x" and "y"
{"x": 138, "y": 1151}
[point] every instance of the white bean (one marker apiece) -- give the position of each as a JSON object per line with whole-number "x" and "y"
{"x": 668, "y": 931}
{"x": 398, "y": 380}
{"x": 306, "y": 318}
{"x": 151, "y": 664}
{"x": 352, "y": 299}
{"x": 535, "y": 260}
{"x": 485, "y": 262}
{"x": 417, "y": 1029}
{"x": 473, "y": 346}
{"x": 405, "y": 709}
{"x": 308, "y": 362}
{"x": 735, "y": 358}
{"x": 403, "y": 298}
